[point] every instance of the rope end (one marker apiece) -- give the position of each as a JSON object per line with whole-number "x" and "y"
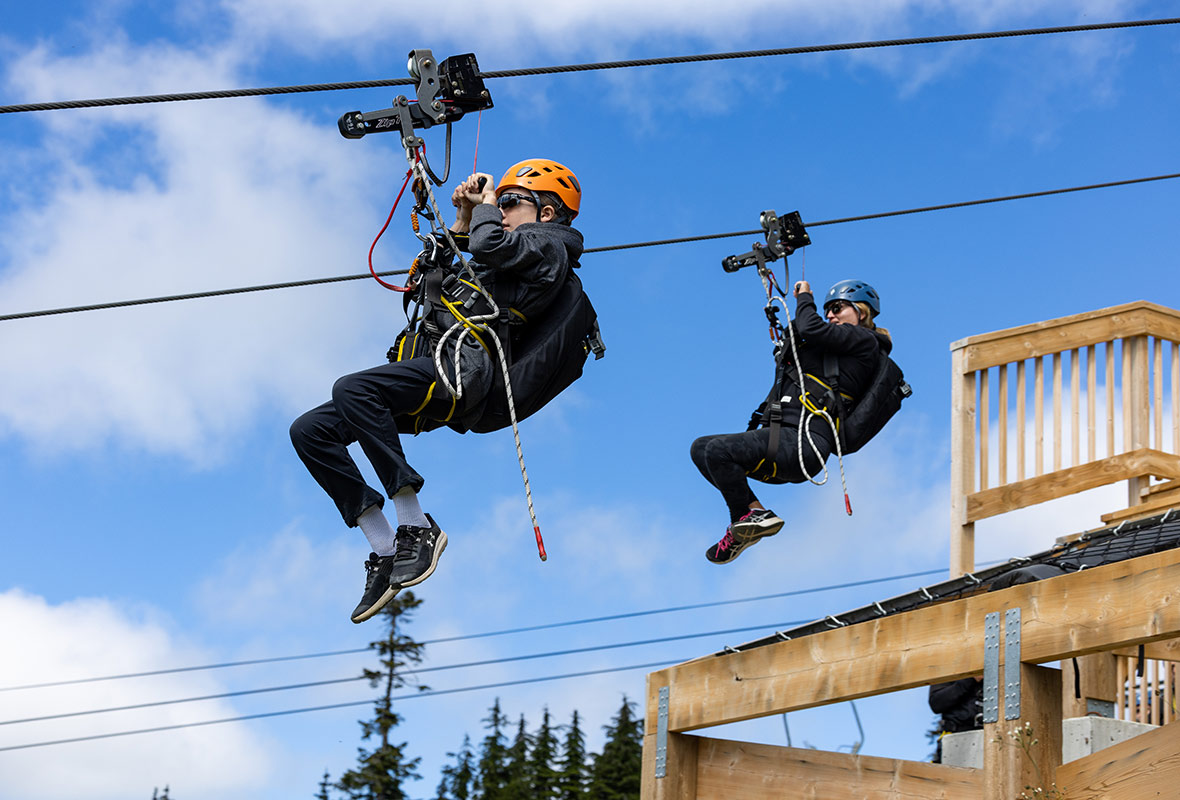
{"x": 540, "y": 543}
{"x": 847, "y": 504}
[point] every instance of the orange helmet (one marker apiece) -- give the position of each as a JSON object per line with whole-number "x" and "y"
{"x": 544, "y": 175}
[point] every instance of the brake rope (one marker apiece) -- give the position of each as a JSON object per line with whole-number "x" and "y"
{"x": 467, "y": 326}
{"x": 774, "y": 294}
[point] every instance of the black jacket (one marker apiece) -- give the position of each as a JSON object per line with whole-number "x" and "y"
{"x": 960, "y": 703}
{"x": 855, "y": 348}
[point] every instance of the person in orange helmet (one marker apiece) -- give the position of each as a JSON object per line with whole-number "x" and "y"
{"x": 523, "y": 249}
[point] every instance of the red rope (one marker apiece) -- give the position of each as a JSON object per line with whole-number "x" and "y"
{"x": 405, "y": 183}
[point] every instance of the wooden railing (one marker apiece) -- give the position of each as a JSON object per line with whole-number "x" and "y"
{"x": 1111, "y": 609}
{"x": 1062, "y": 406}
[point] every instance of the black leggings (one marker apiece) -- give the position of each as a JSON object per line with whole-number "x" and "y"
{"x": 728, "y": 459}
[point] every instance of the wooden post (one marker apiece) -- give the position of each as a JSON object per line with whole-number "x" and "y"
{"x": 680, "y": 777}
{"x": 1009, "y": 768}
{"x": 1139, "y": 409}
{"x": 962, "y": 464}
{"x": 1099, "y": 674}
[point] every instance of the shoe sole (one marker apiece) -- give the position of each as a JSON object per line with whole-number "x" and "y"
{"x": 383, "y": 601}
{"x": 438, "y": 551}
{"x": 755, "y": 531}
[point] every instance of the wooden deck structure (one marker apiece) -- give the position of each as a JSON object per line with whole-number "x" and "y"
{"x": 1111, "y": 615}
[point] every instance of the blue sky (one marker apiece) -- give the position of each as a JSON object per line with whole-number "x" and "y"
{"x": 153, "y": 514}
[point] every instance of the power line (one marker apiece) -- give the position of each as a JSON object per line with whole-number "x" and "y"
{"x": 546, "y": 678}
{"x": 484, "y": 635}
{"x": 414, "y": 671}
{"x": 603, "y": 249}
{"x": 600, "y": 65}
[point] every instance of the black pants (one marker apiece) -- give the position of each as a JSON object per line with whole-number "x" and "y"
{"x": 727, "y": 460}
{"x": 371, "y": 407}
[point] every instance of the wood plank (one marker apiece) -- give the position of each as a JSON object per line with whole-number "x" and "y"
{"x": 1056, "y": 411}
{"x": 1091, "y": 403}
{"x": 1144, "y": 509}
{"x": 1135, "y": 598}
{"x": 1039, "y": 416}
{"x": 962, "y": 544}
{"x": 1054, "y": 336}
{"x": 1071, "y": 480}
{"x": 1168, "y": 650}
{"x": 984, "y": 433}
{"x": 1175, "y": 397}
{"x": 1157, "y": 393}
{"x": 1110, "y": 398}
{"x": 1009, "y": 767}
{"x": 1141, "y": 410}
{"x": 1161, "y": 488}
{"x": 680, "y": 780}
{"x": 1147, "y": 766}
{"x": 1002, "y": 444}
{"x": 1075, "y": 418}
{"x": 730, "y": 770}
{"x": 1021, "y": 417}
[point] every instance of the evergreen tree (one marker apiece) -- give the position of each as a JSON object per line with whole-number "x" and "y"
{"x": 459, "y": 781}
{"x": 571, "y": 779}
{"x": 493, "y": 757}
{"x": 617, "y": 770}
{"x": 381, "y": 771}
{"x": 520, "y": 779}
{"x": 325, "y": 785}
{"x": 157, "y": 796}
{"x": 544, "y": 776}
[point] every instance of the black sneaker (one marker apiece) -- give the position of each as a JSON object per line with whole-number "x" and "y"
{"x": 727, "y": 549}
{"x": 755, "y": 524}
{"x": 378, "y": 588}
{"x": 417, "y": 553}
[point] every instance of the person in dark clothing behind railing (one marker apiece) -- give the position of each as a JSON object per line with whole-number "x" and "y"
{"x": 960, "y": 703}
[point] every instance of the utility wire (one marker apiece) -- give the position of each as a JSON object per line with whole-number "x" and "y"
{"x": 600, "y": 65}
{"x": 414, "y": 671}
{"x": 484, "y": 635}
{"x": 604, "y": 249}
{"x": 545, "y": 678}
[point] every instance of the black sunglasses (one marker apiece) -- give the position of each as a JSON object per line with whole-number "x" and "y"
{"x": 510, "y": 200}
{"x": 836, "y": 306}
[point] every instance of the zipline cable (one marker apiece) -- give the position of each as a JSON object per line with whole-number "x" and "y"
{"x": 545, "y": 678}
{"x": 600, "y": 65}
{"x": 484, "y": 635}
{"x": 603, "y": 249}
{"x": 415, "y": 671}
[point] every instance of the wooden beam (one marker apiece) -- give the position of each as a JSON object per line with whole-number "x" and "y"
{"x": 743, "y": 771}
{"x": 1147, "y": 508}
{"x": 1023, "y": 754}
{"x": 962, "y": 544}
{"x": 928, "y": 645}
{"x": 1072, "y": 480}
{"x": 1161, "y": 651}
{"x": 1147, "y": 766}
{"x": 1065, "y": 333}
{"x": 680, "y": 779}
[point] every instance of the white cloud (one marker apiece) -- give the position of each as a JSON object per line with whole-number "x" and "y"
{"x": 144, "y": 203}
{"x": 90, "y": 637}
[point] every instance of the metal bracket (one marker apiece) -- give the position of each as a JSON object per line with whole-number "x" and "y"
{"x": 991, "y": 667}
{"x": 1012, "y": 663}
{"x": 662, "y": 734}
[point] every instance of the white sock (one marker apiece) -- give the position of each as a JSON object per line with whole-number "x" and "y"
{"x": 405, "y": 505}
{"x": 377, "y": 530}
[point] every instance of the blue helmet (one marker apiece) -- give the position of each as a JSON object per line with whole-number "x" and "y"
{"x": 856, "y": 292}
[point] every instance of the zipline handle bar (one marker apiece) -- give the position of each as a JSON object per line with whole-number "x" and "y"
{"x": 784, "y": 235}
{"x": 445, "y": 92}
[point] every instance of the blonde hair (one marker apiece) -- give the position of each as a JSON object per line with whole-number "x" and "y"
{"x": 866, "y": 318}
